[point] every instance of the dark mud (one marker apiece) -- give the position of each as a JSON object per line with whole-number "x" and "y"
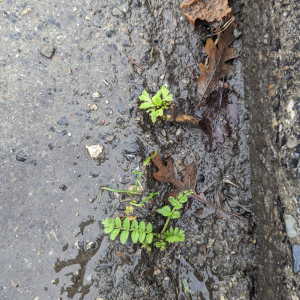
{"x": 53, "y": 245}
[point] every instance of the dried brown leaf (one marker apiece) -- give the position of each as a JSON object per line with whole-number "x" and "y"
{"x": 218, "y": 56}
{"x": 208, "y": 10}
{"x": 168, "y": 174}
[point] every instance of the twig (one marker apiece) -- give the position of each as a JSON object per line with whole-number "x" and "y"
{"x": 189, "y": 66}
{"x": 108, "y": 26}
{"x": 215, "y": 206}
{"x": 192, "y": 74}
{"x": 162, "y": 9}
{"x": 106, "y": 82}
{"x": 240, "y": 205}
{"x": 228, "y": 181}
{"x": 133, "y": 61}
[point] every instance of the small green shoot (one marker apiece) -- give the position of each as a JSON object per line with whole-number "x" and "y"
{"x": 186, "y": 289}
{"x": 135, "y": 202}
{"x": 131, "y": 194}
{"x": 155, "y": 106}
{"x": 145, "y": 163}
{"x": 139, "y": 232}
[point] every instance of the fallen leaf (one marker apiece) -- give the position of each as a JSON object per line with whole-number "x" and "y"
{"x": 168, "y": 174}
{"x": 131, "y": 218}
{"x": 208, "y": 10}
{"x": 216, "y": 116}
{"x": 218, "y": 55}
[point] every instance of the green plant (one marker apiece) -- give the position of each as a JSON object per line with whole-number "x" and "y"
{"x": 142, "y": 233}
{"x": 155, "y": 106}
{"x": 134, "y": 192}
{"x": 147, "y": 160}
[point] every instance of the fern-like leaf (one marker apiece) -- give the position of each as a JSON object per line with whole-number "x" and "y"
{"x": 126, "y": 223}
{"x": 142, "y": 236}
{"x": 149, "y": 238}
{"x": 149, "y": 227}
{"x": 124, "y": 236}
{"x": 135, "y": 236}
{"x": 114, "y": 234}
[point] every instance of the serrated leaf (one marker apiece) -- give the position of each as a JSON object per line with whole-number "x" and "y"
{"x": 142, "y": 237}
{"x": 135, "y": 236}
{"x": 149, "y": 238}
{"x": 171, "y": 230}
{"x": 118, "y": 222}
{"x": 164, "y": 91}
{"x": 146, "y": 105}
{"x": 108, "y": 222}
{"x": 114, "y": 234}
{"x": 153, "y": 116}
{"x": 175, "y": 215}
{"x": 142, "y": 226}
{"x": 165, "y": 211}
{"x": 156, "y": 100}
{"x": 181, "y": 236}
{"x": 108, "y": 229}
{"x": 124, "y": 236}
{"x": 169, "y": 98}
{"x": 176, "y": 231}
{"x": 149, "y": 227}
{"x": 134, "y": 225}
{"x": 172, "y": 200}
{"x": 126, "y": 223}
{"x": 160, "y": 112}
{"x": 145, "y": 96}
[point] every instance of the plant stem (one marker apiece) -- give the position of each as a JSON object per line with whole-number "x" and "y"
{"x": 155, "y": 234}
{"x": 169, "y": 218}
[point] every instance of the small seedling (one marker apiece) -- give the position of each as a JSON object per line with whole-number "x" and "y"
{"x": 144, "y": 234}
{"x": 132, "y": 194}
{"x": 155, "y": 106}
{"x": 147, "y": 160}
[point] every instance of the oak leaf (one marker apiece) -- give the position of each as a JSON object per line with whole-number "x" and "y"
{"x": 168, "y": 174}
{"x": 218, "y": 56}
{"x": 208, "y": 10}
{"x": 219, "y": 111}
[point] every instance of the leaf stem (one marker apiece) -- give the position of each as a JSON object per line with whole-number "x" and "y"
{"x": 155, "y": 234}
{"x": 169, "y": 218}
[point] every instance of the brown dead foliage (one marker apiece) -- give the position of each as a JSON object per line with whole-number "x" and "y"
{"x": 218, "y": 56}
{"x": 208, "y": 10}
{"x": 168, "y": 174}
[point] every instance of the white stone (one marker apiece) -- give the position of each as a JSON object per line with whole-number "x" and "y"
{"x": 94, "y": 151}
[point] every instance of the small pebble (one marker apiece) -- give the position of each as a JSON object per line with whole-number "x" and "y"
{"x": 296, "y": 258}
{"x": 47, "y": 51}
{"x": 62, "y": 121}
{"x": 290, "y": 223}
{"x": 77, "y": 214}
{"x": 26, "y": 11}
{"x": 94, "y": 151}
{"x": 21, "y": 156}
{"x": 69, "y": 134}
{"x": 94, "y": 107}
{"x": 97, "y": 95}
